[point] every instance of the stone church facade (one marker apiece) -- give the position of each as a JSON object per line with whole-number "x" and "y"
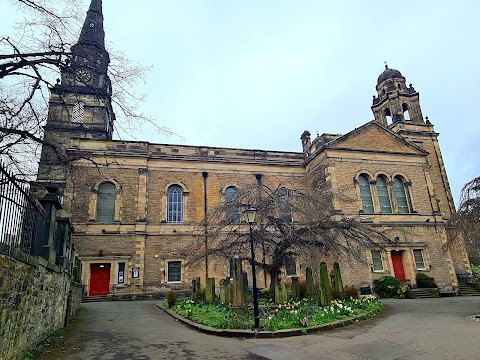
{"x": 136, "y": 206}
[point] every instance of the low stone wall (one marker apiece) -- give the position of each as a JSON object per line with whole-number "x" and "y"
{"x": 34, "y": 303}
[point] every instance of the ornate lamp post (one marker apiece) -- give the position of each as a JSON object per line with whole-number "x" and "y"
{"x": 250, "y": 213}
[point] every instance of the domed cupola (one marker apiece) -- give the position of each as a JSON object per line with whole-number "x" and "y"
{"x": 395, "y": 102}
{"x": 389, "y": 74}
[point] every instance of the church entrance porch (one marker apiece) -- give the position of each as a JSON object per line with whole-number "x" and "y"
{"x": 398, "y": 270}
{"x": 99, "y": 280}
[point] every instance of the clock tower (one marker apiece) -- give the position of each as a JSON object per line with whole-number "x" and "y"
{"x": 80, "y": 103}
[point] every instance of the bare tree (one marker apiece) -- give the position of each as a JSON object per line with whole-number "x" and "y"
{"x": 291, "y": 222}
{"x": 31, "y": 60}
{"x": 465, "y": 224}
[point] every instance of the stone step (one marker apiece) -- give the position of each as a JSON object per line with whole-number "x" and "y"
{"x": 425, "y": 293}
{"x": 467, "y": 290}
{"x": 90, "y": 299}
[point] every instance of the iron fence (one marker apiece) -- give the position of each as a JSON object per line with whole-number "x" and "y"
{"x": 21, "y": 215}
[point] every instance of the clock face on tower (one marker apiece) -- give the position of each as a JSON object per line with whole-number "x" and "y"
{"x": 83, "y": 76}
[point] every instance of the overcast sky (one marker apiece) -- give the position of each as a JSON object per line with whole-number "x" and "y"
{"x": 256, "y": 74}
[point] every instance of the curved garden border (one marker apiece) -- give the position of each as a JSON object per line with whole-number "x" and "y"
{"x": 266, "y": 334}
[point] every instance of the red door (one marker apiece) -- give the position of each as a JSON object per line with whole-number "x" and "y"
{"x": 398, "y": 265}
{"x": 99, "y": 279}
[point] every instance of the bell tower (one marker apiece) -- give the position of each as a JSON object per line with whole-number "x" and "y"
{"x": 398, "y": 107}
{"x": 80, "y": 104}
{"x": 395, "y": 102}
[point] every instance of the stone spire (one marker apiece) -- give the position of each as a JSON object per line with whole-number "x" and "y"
{"x": 92, "y": 31}
{"x": 90, "y": 59}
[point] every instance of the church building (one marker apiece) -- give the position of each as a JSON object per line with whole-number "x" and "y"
{"x": 136, "y": 206}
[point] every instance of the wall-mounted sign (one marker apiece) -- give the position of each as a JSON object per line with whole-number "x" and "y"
{"x": 135, "y": 272}
{"x": 120, "y": 277}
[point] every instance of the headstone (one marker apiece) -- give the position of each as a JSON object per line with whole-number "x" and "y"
{"x": 210, "y": 289}
{"x": 295, "y": 288}
{"x": 284, "y": 293}
{"x": 238, "y": 297}
{"x": 195, "y": 287}
{"x": 224, "y": 291}
{"x": 245, "y": 286}
{"x": 325, "y": 282}
{"x": 309, "y": 283}
{"x": 337, "y": 280}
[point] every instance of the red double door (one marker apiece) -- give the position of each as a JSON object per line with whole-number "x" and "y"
{"x": 99, "y": 279}
{"x": 398, "y": 269}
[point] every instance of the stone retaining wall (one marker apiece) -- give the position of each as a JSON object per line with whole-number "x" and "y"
{"x": 34, "y": 303}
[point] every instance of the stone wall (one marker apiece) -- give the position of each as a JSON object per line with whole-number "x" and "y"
{"x": 35, "y": 302}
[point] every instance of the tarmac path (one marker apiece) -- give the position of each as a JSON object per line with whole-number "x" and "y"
{"x": 420, "y": 329}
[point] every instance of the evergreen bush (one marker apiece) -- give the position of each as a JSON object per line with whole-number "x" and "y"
{"x": 425, "y": 281}
{"x": 390, "y": 287}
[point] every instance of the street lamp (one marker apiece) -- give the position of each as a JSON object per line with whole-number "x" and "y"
{"x": 250, "y": 213}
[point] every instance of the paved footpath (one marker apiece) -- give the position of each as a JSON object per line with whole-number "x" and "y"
{"x": 421, "y": 329}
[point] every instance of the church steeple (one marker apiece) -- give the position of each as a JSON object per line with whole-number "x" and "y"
{"x": 92, "y": 31}
{"x": 395, "y": 101}
{"x": 90, "y": 59}
{"x": 80, "y": 104}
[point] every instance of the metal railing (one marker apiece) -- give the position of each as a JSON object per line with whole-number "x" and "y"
{"x": 21, "y": 215}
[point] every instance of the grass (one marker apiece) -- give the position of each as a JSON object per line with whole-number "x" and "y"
{"x": 299, "y": 314}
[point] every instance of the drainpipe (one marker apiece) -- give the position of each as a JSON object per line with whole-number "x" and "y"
{"x": 205, "y": 223}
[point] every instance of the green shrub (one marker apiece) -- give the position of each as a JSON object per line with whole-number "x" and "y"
{"x": 390, "y": 287}
{"x": 476, "y": 272}
{"x": 425, "y": 281}
{"x": 171, "y": 298}
{"x": 265, "y": 293}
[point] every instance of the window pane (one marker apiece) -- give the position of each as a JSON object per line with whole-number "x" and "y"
{"x": 106, "y": 202}
{"x": 232, "y": 209}
{"x": 383, "y": 196}
{"x": 175, "y": 205}
{"x": 400, "y": 196}
{"x": 174, "y": 271}
{"x": 365, "y": 194}
{"x": 284, "y": 205}
{"x": 419, "y": 262}
{"x": 377, "y": 260}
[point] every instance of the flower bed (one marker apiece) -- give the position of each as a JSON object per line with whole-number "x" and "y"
{"x": 293, "y": 315}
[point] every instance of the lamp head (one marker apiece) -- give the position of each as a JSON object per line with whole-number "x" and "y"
{"x": 250, "y": 213}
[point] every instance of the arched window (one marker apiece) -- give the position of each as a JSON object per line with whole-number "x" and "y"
{"x": 400, "y": 196}
{"x": 388, "y": 115}
{"x": 77, "y": 113}
{"x": 107, "y": 193}
{"x": 383, "y": 196}
{"x": 284, "y": 204}
{"x": 175, "y": 205}
{"x": 232, "y": 209}
{"x": 406, "y": 114}
{"x": 365, "y": 194}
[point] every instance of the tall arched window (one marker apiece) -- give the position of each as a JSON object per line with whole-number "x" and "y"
{"x": 78, "y": 113}
{"x": 388, "y": 115}
{"x": 400, "y": 195}
{"x": 365, "y": 194}
{"x": 107, "y": 193}
{"x": 383, "y": 196}
{"x": 175, "y": 205}
{"x": 406, "y": 114}
{"x": 232, "y": 209}
{"x": 284, "y": 204}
